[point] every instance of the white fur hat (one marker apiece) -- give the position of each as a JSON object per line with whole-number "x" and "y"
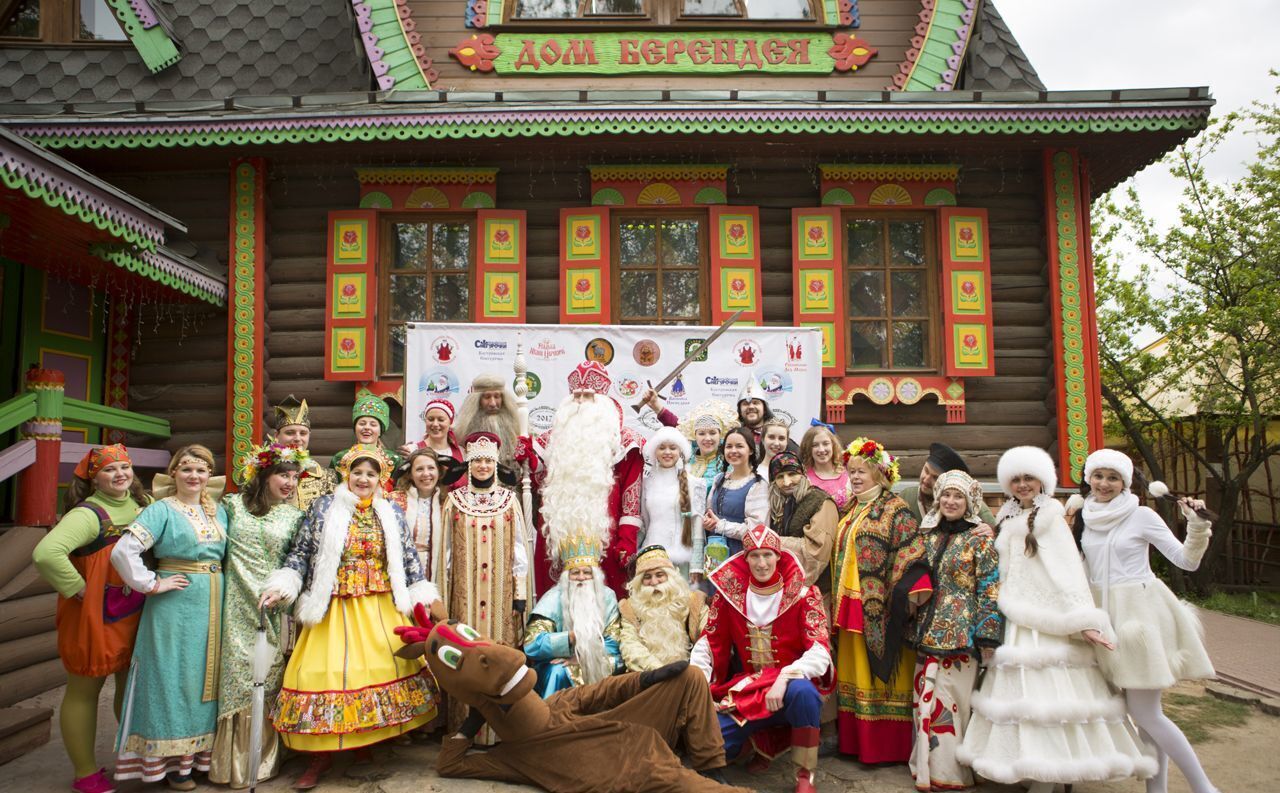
{"x": 1110, "y": 458}
{"x": 666, "y": 435}
{"x": 1026, "y": 460}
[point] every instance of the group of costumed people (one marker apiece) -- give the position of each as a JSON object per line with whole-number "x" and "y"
{"x": 716, "y": 590}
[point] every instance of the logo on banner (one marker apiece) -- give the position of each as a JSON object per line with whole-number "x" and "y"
{"x": 599, "y": 350}
{"x": 723, "y": 387}
{"x": 444, "y": 349}
{"x": 546, "y": 349}
{"x": 784, "y": 415}
{"x": 627, "y": 386}
{"x": 541, "y": 419}
{"x": 795, "y": 354}
{"x": 438, "y": 383}
{"x": 490, "y": 349}
{"x": 532, "y": 382}
{"x": 775, "y": 384}
{"x": 746, "y": 353}
{"x": 692, "y": 344}
{"x": 646, "y": 352}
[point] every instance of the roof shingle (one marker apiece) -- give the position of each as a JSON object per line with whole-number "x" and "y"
{"x": 996, "y": 60}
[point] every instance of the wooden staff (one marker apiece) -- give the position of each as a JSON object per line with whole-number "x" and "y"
{"x": 521, "y": 389}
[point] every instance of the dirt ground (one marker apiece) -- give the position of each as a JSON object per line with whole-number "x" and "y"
{"x": 1238, "y": 755}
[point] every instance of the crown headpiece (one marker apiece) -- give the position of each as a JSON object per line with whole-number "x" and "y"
{"x": 761, "y": 538}
{"x": 482, "y": 446}
{"x": 362, "y": 452}
{"x": 590, "y": 376}
{"x": 291, "y": 411}
{"x": 579, "y": 550}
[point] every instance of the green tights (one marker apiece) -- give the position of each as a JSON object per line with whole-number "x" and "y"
{"x": 78, "y": 718}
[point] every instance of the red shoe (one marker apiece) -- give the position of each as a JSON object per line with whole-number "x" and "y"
{"x": 804, "y": 781}
{"x": 758, "y": 764}
{"x": 97, "y": 782}
{"x": 320, "y": 762}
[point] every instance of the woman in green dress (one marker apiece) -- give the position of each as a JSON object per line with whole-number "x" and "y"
{"x": 171, "y": 699}
{"x": 260, "y": 525}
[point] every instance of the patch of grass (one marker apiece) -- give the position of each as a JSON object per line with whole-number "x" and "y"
{"x": 1199, "y": 716}
{"x": 1261, "y": 606}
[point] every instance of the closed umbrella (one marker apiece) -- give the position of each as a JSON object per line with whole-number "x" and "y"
{"x": 263, "y": 655}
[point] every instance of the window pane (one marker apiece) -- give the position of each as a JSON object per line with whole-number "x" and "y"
{"x": 97, "y": 23}
{"x": 868, "y": 346}
{"x": 546, "y": 9}
{"x": 680, "y": 242}
{"x": 908, "y": 294}
{"x": 411, "y": 246}
{"x": 25, "y": 22}
{"x": 449, "y": 297}
{"x": 866, "y": 294}
{"x": 779, "y": 9}
{"x": 637, "y": 242}
{"x": 865, "y": 246}
{"x": 395, "y": 345}
{"x": 617, "y": 7}
{"x": 908, "y": 344}
{"x": 719, "y": 8}
{"x": 679, "y": 295}
{"x": 408, "y": 298}
{"x": 906, "y": 242}
{"x": 639, "y": 294}
{"x": 450, "y": 246}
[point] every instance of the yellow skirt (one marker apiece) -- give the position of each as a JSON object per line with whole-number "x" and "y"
{"x": 344, "y": 687}
{"x": 874, "y": 721}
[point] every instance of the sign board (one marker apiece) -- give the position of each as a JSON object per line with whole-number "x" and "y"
{"x": 443, "y": 359}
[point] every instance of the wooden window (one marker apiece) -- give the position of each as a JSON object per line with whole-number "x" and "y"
{"x": 893, "y": 305}
{"x": 659, "y": 13}
{"x": 426, "y": 272}
{"x": 661, "y": 265}
{"x": 578, "y": 9}
{"x": 59, "y": 22}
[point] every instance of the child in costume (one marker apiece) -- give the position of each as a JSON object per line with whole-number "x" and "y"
{"x": 97, "y": 614}
{"x": 171, "y": 697}
{"x": 1044, "y": 713}
{"x": 671, "y": 506}
{"x": 354, "y": 572}
{"x": 1157, "y": 637}
{"x": 260, "y": 525}
{"x": 957, "y": 623}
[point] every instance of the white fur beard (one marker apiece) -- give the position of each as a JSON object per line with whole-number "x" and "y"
{"x": 663, "y": 611}
{"x": 585, "y": 442}
{"x": 500, "y": 424}
{"x": 582, "y": 616}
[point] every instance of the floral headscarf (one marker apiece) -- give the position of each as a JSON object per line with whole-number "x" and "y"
{"x": 957, "y": 480}
{"x": 874, "y": 453}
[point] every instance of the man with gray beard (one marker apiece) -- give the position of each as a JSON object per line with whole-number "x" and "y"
{"x": 490, "y": 406}
{"x": 572, "y": 635}
{"x": 662, "y": 618}
{"x": 587, "y": 470}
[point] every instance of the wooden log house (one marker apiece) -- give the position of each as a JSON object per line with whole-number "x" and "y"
{"x": 319, "y": 173}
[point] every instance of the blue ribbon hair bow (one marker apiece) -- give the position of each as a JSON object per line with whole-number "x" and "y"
{"x": 816, "y": 423}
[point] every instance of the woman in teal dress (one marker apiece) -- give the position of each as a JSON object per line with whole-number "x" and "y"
{"x": 260, "y": 525}
{"x": 171, "y": 699}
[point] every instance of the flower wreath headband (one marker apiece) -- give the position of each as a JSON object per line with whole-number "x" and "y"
{"x": 874, "y": 453}
{"x": 263, "y": 457}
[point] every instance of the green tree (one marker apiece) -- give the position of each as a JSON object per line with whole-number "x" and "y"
{"x": 1210, "y": 285}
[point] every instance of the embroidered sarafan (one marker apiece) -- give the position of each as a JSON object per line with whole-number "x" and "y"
{"x": 345, "y": 712}
{"x": 363, "y": 570}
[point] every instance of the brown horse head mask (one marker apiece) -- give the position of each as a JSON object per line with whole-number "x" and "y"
{"x": 474, "y": 670}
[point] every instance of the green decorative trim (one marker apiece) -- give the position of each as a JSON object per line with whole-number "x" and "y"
{"x": 17, "y": 410}
{"x": 710, "y": 195}
{"x": 126, "y": 260}
{"x": 81, "y": 412}
{"x": 394, "y": 61}
{"x": 477, "y": 200}
{"x": 158, "y": 51}
{"x": 660, "y": 52}
{"x": 940, "y": 197}
{"x": 1075, "y": 397}
{"x": 934, "y": 65}
{"x": 375, "y": 200}
{"x": 244, "y": 314}
{"x": 607, "y": 197}
{"x": 34, "y": 190}
{"x": 244, "y": 132}
{"x": 837, "y": 196}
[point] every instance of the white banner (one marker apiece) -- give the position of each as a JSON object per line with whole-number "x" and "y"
{"x": 443, "y": 359}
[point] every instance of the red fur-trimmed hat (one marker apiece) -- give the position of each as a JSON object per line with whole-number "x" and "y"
{"x": 590, "y": 376}
{"x": 762, "y": 538}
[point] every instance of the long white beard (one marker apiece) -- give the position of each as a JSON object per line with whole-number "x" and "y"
{"x": 582, "y": 615}
{"x": 663, "y": 612}
{"x": 585, "y": 441}
{"x": 504, "y": 424}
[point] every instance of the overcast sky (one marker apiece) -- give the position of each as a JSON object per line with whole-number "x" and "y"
{"x": 1228, "y": 45}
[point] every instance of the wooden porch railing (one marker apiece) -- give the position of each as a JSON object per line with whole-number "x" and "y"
{"x": 35, "y": 458}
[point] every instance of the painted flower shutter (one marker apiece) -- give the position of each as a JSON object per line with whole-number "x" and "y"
{"x": 351, "y": 332}
{"x": 817, "y": 253}
{"x": 501, "y": 284}
{"x": 585, "y": 284}
{"x": 735, "y": 264}
{"x": 966, "y": 292}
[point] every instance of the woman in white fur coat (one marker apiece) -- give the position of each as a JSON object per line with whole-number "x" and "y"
{"x": 1158, "y": 638}
{"x": 355, "y": 574}
{"x": 1044, "y": 713}
{"x": 671, "y": 507}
